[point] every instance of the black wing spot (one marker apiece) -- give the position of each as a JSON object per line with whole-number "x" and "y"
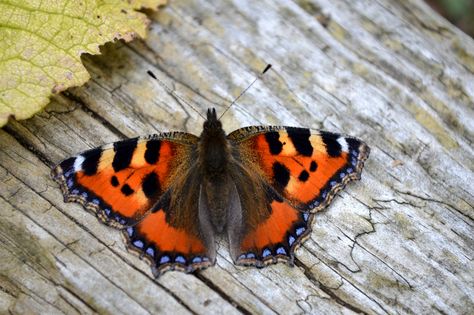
{"x": 300, "y": 139}
{"x": 114, "y": 181}
{"x": 152, "y": 153}
{"x": 127, "y": 190}
{"x": 304, "y": 175}
{"x": 68, "y": 164}
{"x": 91, "y": 161}
{"x": 281, "y": 175}
{"x": 354, "y": 144}
{"x": 313, "y": 166}
{"x": 123, "y": 154}
{"x": 332, "y": 146}
{"x": 151, "y": 184}
{"x": 273, "y": 142}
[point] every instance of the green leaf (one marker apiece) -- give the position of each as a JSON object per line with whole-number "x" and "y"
{"x": 41, "y": 43}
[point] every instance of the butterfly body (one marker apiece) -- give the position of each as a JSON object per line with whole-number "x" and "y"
{"x": 214, "y": 170}
{"x": 173, "y": 193}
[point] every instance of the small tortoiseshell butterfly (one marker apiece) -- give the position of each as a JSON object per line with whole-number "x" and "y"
{"x": 172, "y": 193}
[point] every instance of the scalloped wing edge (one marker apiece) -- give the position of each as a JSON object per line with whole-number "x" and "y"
{"x": 58, "y": 175}
{"x": 280, "y": 258}
{"x": 363, "y": 155}
{"x": 159, "y": 269}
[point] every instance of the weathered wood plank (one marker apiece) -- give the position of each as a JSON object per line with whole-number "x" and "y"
{"x": 392, "y": 73}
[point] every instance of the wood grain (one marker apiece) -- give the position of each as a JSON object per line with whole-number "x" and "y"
{"x": 393, "y": 73}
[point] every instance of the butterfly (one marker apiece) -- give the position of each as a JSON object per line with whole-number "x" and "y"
{"x": 173, "y": 193}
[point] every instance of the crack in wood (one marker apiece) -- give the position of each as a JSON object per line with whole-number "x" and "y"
{"x": 78, "y": 255}
{"x": 78, "y": 100}
{"x": 428, "y": 199}
{"x": 222, "y": 294}
{"x": 327, "y": 290}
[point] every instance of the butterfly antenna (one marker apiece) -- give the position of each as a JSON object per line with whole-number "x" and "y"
{"x": 245, "y": 90}
{"x": 151, "y": 74}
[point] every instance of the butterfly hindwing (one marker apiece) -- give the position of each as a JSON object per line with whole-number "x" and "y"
{"x": 168, "y": 247}
{"x": 127, "y": 184}
{"x": 302, "y": 171}
{"x": 275, "y": 238}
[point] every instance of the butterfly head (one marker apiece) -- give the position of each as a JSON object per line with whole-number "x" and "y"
{"x": 213, "y": 146}
{"x": 212, "y": 125}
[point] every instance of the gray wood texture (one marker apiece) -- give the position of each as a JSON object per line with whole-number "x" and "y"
{"x": 393, "y": 73}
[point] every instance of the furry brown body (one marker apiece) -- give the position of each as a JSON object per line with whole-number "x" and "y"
{"x": 228, "y": 190}
{"x": 214, "y": 158}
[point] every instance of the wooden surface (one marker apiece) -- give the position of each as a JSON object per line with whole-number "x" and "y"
{"x": 393, "y": 73}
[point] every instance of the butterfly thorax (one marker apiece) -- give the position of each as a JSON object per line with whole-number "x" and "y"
{"x": 214, "y": 157}
{"x": 214, "y": 152}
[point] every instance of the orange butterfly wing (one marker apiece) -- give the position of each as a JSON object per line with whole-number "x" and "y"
{"x": 302, "y": 172}
{"x": 126, "y": 184}
{"x": 166, "y": 247}
{"x": 277, "y": 237}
